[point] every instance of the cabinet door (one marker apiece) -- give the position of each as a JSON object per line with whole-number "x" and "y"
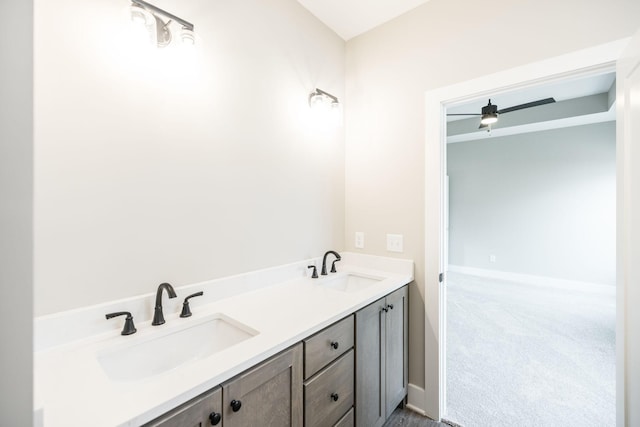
{"x": 396, "y": 350}
{"x": 204, "y": 410}
{"x": 370, "y": 362}
{"x": 269, "y": 395}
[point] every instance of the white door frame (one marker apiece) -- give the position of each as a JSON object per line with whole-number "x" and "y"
{"x": 593, "y": 60}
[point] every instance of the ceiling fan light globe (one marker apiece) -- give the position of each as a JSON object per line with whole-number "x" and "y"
{"x": 488, "y": 119}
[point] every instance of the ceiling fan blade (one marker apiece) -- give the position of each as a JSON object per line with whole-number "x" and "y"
{"x": 527, "y": 105}
{"x": 464, "y": 114}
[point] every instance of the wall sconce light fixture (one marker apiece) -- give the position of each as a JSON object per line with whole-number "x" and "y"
{"x": 149, "y": 15}
{"x": 319, "y": 98}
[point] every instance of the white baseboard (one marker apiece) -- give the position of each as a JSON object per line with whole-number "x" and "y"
{"x": 527, "y": 279}
{"x": 415, "y": 398}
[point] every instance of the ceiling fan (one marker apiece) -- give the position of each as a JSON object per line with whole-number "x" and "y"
{"x": 490, "y": 111}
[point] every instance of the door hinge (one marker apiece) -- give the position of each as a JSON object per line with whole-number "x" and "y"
{"x": 441, "y": 277}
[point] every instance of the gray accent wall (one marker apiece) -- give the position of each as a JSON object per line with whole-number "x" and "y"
{"x": 541, "y": 203}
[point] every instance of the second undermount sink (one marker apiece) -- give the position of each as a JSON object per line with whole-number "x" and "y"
{"x": 162, "y": 352}
{"x": 350, "y": 282}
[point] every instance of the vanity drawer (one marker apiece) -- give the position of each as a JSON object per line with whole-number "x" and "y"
{"x": 347, "y": 421}
{"x": 197, "y": 412}
{"x": 329, "y": 395}
{"x": 327, "y": 345}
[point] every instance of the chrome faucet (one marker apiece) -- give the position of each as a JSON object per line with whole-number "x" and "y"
{"x": 158, "y": 316}
{"x": 333, "y": 265}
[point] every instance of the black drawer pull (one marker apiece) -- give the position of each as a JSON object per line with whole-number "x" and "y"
{"x": 215, "y": 418}
{"x": 236, "y": 405}
{"x": 390, "y": 306}
{"x": 335, "y": 397}
{"x": 334, "y": 345}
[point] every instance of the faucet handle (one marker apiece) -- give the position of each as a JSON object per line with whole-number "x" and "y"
{"x": 315, "y": 271}
{"x": 333, "y": 265}
{"x": 129, "y": 328}
{"x": 186, "y": 311}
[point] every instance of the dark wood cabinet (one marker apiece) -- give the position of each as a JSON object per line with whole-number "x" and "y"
{"x": 396, "y": 348}
{"x": 268, "y": 395}
{"x": 353, "y": 372}
{"x": 381, "y": 358}
{"x": 329, "y": 373}
{"x": 204, "y": 410}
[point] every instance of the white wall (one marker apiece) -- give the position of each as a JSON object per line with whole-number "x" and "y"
{"x": 544, "y": 203}
{"x": 16, "y": 213}
{"x": 390, "y": 68}
{"x": 158, "y": 165}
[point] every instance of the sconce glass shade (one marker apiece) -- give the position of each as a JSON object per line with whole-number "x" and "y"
{"x": 188, "y": 37}
{"x": 143, "y": 26}
{"x": 157, "y": 23}
{"x": 316, "y": 100}
{"x": 163, "y": 33}
{"x": 141, "y": 16}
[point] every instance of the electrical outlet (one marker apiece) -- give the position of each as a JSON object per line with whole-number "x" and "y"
{"x": 492, "y": 258}
{"x": 395, "y": 243}
{"x": 359, "y": 240}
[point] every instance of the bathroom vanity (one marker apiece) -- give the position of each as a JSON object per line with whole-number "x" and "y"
{"x": 291, "y": 350}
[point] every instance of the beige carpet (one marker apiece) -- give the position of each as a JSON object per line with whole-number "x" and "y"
{"x": 524, "y": 355}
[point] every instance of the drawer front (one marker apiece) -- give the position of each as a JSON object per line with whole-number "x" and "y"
{"x": 347, "y": 420}
{"x": 195, "y": 413}
{"x": 329, "y": 395}
{"x": 320, "y": 349}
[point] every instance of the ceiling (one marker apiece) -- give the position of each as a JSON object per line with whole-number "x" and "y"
{"x": 560, "y": 91}
{"x": 579, "y": 101}
{"x": 349, "y": 18}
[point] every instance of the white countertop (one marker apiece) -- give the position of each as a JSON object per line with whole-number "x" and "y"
{"x": 72, "y": 389}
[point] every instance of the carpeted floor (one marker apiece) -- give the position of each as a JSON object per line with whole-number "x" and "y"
{"x": 524, "y": 355}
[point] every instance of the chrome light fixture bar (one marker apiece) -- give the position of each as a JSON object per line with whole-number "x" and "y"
{"x": 319, "y": 96}
{"x": 163, "y": 33}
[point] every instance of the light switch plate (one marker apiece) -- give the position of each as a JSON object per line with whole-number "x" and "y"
{"x": 359, "y": 243}
{"x": 395, "y": 243}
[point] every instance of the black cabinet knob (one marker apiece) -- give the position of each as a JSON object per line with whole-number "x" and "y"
{"x": 385, "y": 309}
{"x": 334, "y": 345}
{"x": 390, "y": 306}
{"x": 236, "y": 405}
{"x": 215, "y": 418}
{"x": 335, "y": 397}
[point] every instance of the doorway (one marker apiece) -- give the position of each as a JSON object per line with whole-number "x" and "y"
{"x": 590, "y": 61}
{"x": 531, "y": 274}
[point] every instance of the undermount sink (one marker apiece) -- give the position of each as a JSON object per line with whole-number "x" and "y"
{"x": 350, "y": 282}
{"x": 163, "y": 352}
